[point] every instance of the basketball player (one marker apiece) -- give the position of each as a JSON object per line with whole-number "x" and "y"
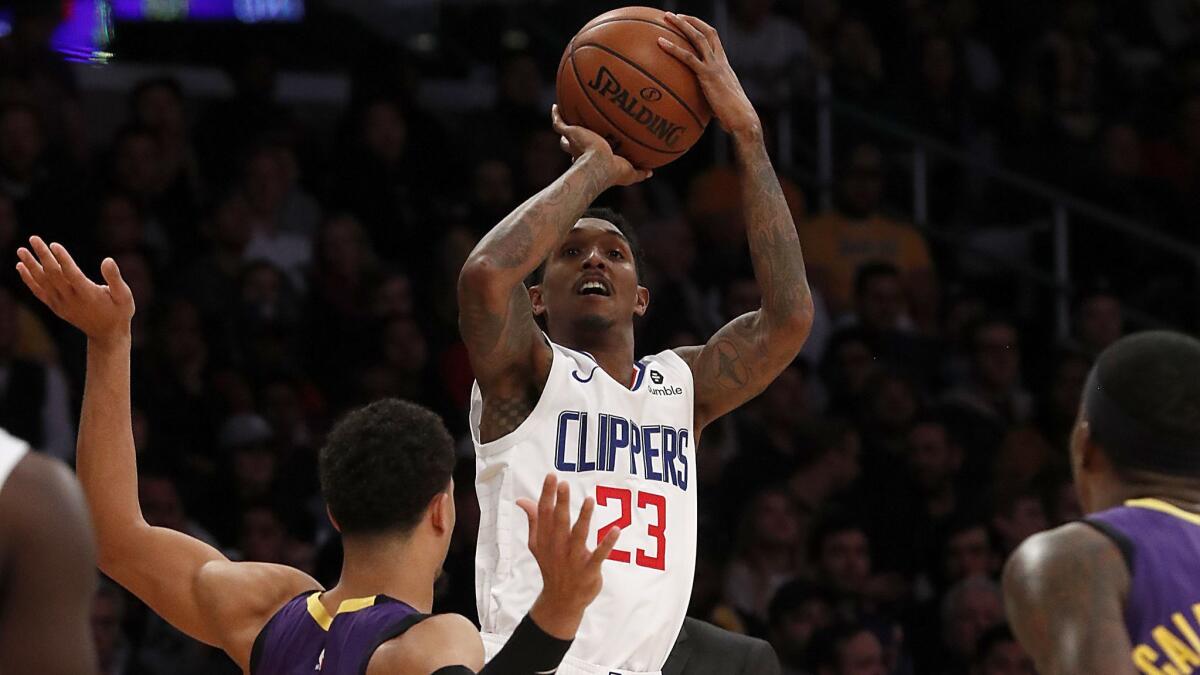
{"x": 1120, "y": 590}
{"x": 577, "y": 402}
{"x": 47, "y": 566}
{"x": 386, "y": 477}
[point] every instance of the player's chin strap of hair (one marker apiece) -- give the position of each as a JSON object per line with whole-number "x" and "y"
{"x": 1128, "y": 442}
{"x": 530, "y": 651}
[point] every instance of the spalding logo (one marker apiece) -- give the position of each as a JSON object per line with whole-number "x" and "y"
{"x": 607, "y": 85}
{"x": 650, "y": 94}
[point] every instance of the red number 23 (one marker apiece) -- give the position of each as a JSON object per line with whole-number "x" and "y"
{"x": 658, "y": 530}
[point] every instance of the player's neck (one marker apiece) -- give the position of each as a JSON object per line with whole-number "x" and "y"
{"x": 398, "y": 568}
{"x": 612, "y": 349}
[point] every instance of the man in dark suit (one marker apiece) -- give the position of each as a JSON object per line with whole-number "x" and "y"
{"x": 704, "y": 649}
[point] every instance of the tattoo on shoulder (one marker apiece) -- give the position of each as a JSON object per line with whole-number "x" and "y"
{"x": 731, "y": 370}
{"x": 502, "y": 415}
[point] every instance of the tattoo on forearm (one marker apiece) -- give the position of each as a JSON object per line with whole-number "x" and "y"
{"x": 774, "y": 244}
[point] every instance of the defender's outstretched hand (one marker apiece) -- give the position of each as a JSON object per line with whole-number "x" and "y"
{"x": 571, "y": 577}
{"x": 576, "y": 141}
{"x": 717, "y": 79}
{"x": 102, "y": 312}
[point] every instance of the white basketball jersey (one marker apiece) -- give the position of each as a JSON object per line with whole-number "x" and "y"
{"x": 12, "y": 450}
{"x": 633, "y": 451}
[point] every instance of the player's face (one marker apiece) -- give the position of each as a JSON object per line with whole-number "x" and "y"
{"x": 591, "y": 279}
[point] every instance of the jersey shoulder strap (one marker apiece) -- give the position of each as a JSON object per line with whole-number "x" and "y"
{"x": 12, "y": 450}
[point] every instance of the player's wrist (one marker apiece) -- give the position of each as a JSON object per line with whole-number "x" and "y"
{"x": 599, "y": 162}
{"x": 557, "y": 618}
{"x": 116, "y": 340}
{"x": 747, "y": 133}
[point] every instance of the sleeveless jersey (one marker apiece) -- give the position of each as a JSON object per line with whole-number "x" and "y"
{"x": 12, "y": 451}
{"x": 303, "y": 638}
{"x": 1161, "y": 544}
{"x": 632, "y": 449}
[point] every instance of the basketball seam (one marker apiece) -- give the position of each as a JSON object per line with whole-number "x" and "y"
{"x": 583, "y": 88}
{"x": 642, "y": 70}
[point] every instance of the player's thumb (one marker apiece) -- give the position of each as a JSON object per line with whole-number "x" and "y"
{"x": 116, "y": 284}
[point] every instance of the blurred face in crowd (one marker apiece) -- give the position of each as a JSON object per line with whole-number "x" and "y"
{"x": 862, "y": 186}
{"x": 861, "y": 655}
{"x": 385, "y": 131}
{"x": 856, "y": 363}
{"x": 138, "y": 164}
{"x": 1100, "y": 322}
{"x": 521, "y": 81}
{"x": 933, "y": 459}
{"x": 790, "y": 636}
{"x": 404, "y": 346}
{"x": 969, "y": 553}
{"x": 978, "y": 609}
{"x": 263, "y": 537}
{"x": 229, "y": 225}
{"x": 108, "y": 611}
{"x": 394, "y": 297}
{"x": 262, "y": 287}
{"x": 1005, "y": 658}
{"x": 997, "y": 356}
{"x": 160, "y": 109}
{"x": 845, "y": 560}
{"x": 183, "y": 336}
{"x": 161, "y": 505}
{"x": 493, "y": 186}
{"x": 881, "y": 302}
{"x": 846, "y": 458}
{"x": 593, "y": 252}
{"x": 893, "y": 403}
{"x": 21, "y": 143}
{"x": 343, "y": 246}
{"x": 785, "y": 400}
{"x": 282, "y": 408}
{"x": 120, "y": 227}
{"x": 774, "y": 520}
{"x": 254, "y": 468}
{"x": 1067, "y": 388}
{"x": 1027, "y": 517}
{"x": 265, "y": 183}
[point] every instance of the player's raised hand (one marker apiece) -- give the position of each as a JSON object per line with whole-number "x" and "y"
{"x": 102, "y": 312}
{"x": 571, "y": 577}
{"x": 576, "y": 141}
{"x": 720, "y": 84}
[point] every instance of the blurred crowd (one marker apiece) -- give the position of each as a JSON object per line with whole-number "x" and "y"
{"x": 856, "y": 514}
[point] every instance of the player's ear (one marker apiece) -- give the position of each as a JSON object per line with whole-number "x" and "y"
{"x": 333, "y": 520}
{"x": 642, "y": 303}
{"x": 536, "y": 300}
{"x": 441, "y": 512}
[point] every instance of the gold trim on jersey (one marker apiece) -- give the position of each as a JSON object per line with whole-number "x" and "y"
{"x": 321, "y": 615}
{"x": 1164, "y": 507}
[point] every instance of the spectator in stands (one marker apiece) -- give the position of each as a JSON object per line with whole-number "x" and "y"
{"x": 968, "y": 551}
{"x": 1099, "y": 320}
{"x": 847, "y": 649}
{"x": 840, "y": 552}
{"x": 798, "y": 610}
{"x": 768, "y": 553}
{"x": 265, "y": 187}
{"x": 992, "y": 399}
{"x": 1017, "y": 515}
{"x": 28, "y": 174}
{"x": 999, "y": 653}
{"x": 969, "y": 609}
{"x": 826, "y": 466}
{"x": 114, "y": 654}
{"x": 848, "y": 365}
{"x": 33, "y": 396}
{"x": 1059, "y": 400}
{"x": 769, "y": 51}
{"x": 837, "y": 243}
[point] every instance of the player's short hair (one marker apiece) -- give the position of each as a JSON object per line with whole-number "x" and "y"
{"x": 382, "y": 464}
{"x": 627, "y": 233}
{"x": 1142, "y": 402}
{"x": 871, "y": 271}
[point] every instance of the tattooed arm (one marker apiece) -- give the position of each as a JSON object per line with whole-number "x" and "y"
{"x": 744, "y": 357}
{"x": 508, "y": 356}
{"x": 1063, "y": 591}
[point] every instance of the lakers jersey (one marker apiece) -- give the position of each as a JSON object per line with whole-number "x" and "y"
{"x": 1161, "y": 544}
{"x": 632, "y": 449}
{"x": 12, "y": 451}
{"x": 303, "y": 638}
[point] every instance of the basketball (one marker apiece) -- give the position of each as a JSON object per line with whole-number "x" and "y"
{"x": 615, "y": 80}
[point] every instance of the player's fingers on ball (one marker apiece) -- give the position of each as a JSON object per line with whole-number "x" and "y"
{"x": 704, "y": 27}
{"x": 689, "y": 59}
{"x": 556, "y": 120}
{"x": 583, "y": 524}
{"x": 698, "y": 39}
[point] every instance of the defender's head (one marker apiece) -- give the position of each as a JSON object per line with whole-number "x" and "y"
{"x": 590, "y": 282}
{"x": 1139, "y": 418}
{"x": 385, "y": 470}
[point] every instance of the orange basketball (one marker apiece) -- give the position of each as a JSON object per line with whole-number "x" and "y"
{"x": 615, "y": 80}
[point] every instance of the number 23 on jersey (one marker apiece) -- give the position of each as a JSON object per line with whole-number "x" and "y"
{"x": 654, "y": 507}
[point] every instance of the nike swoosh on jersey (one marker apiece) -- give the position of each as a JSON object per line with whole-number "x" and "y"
{"x": 575, "y": 374}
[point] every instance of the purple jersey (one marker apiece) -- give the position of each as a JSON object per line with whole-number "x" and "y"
{"x": 303, "y": 638}
{"x": 1161, "y": 544}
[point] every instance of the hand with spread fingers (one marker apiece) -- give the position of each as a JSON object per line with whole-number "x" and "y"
{"x": 102, "y": 312}
{"x": 576, "y": 141}
{"x": 571, "y": 577}
{"x": 718, "y": 81}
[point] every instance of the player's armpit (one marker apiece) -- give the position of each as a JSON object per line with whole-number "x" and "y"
{"x": 1064, "y": 592}
{"x": 199, "y": 591}
{"x": 446, "y": 643}
{"x": 736, "y": 364}
{"x": 49, "y": 572}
